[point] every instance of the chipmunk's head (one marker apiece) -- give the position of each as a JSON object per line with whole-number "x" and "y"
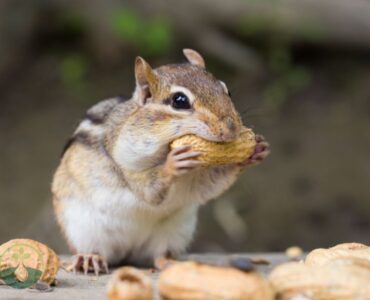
{"x": 191, "y": 98}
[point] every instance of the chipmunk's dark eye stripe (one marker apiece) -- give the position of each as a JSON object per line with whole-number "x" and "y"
{"x": 180, "y": 101}
{"x": 167, "y": 101}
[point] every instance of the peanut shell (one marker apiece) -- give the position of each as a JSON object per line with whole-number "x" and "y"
{"x": 220, "y": 153}
{"x": 128, "y": 283}
{"x": 196, "y": 281}
{"x": 338, "y": 279}
{"x": 346, "y": 250}
{"x": 341, "y": 272}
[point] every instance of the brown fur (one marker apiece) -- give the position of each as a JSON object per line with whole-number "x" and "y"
{"x": 124, "y": 146}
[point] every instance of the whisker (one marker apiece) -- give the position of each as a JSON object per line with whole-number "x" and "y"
{"x": 250, "y": 112}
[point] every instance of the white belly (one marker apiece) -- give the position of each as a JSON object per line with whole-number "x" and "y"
{"x": 118, "y": 226}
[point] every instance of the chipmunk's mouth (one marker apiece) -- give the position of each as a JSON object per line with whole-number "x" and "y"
{"x": 218, "y": 133}
{"x": 221, "y": 137}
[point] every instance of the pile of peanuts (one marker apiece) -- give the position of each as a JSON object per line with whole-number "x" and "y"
{"x": 340, "y": 272}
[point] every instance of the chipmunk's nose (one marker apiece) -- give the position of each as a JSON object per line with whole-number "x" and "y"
{"x": 230, "y": 124}
{"x": 229, "y": 129}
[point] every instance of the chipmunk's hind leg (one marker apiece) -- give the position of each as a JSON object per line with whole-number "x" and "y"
{"x": 88, "y": 262}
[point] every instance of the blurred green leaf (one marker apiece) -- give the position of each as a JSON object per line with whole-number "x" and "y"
{"x": 251, "y": 26}
{"x": 71, "y": 23}
{"x": 280, "y": 59}
{"x": 312, "y": 30}
{"x": 157, "y": 38}
{"x": 127, "y": 25}
{"x": 289, "y": 78}
{"x": 73, "y": 69}
{"x": 298, "y": 78}
{"x": 152, "y": 35}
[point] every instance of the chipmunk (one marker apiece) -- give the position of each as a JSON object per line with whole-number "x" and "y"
{"x": 120, "y": 193}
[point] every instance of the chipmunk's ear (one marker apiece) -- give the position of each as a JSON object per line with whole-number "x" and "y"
{"x": 145, "y": 80}
{"x": 194, "y": 57}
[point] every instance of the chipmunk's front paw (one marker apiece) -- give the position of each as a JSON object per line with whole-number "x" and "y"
{"x": 88, "y": 262}
{"x": 261, "y": 151}
{"x": 180, "y": 161}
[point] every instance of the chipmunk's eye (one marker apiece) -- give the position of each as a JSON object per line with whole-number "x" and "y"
{"x": 180, "y": 101}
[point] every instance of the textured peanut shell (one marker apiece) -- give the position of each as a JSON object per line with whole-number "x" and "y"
{"x": 195, "y": 281}
{"x": 48, "y": 264}
{"x": 342, "y": 279}
{"x": 128, "y": 283}
{"x": 340, "y": 272}
{"x": 220, "y": 153}
{"x": 346, "y": 250}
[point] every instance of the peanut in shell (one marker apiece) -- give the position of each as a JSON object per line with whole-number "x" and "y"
{"x": 321, "y": 256}
{"x": 341, "y": 273}
{"x": 220, "y": 153}
{"x": 196, "y": 281}
{"x": 129, "y": 283}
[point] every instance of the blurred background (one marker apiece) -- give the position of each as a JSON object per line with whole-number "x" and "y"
{"x": 298, "y": 71}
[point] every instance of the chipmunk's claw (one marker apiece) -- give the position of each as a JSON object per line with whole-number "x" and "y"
{"x": 88, "y": 262}
{"x": 164, "y": 261}
{"x": 261, "y": 151}
{"x": 181, "y": 160}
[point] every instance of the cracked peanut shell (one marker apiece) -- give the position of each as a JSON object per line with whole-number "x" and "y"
{"x": 128, "y": 283}
{"x": 220, "y": 153}
{"x": 196, "y": 281}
